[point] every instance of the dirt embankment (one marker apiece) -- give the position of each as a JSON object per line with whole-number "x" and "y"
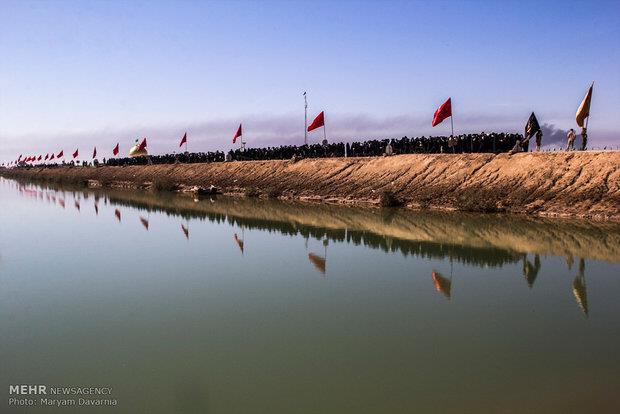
{"x": 578, "y": 184}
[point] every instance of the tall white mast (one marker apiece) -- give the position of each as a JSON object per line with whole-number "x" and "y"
{"x": 305, "y": 119}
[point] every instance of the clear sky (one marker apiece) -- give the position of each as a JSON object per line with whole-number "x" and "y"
{"x": 94, "y": 73}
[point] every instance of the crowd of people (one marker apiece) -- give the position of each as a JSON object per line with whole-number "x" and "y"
{"x": 467, "y": 143}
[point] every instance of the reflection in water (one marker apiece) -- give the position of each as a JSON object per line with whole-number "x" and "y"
{"x": 530, "y": 271}
{"x": 145, "y": 223}
{"x": 319, "y": 262}
{"x": 442, "y": 283}
{"x": 579, "y": 287}
{"x": 239, "y": 241}
{"x": 473, "y": 240}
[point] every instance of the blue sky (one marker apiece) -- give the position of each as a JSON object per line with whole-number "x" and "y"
{"x": 78, "y": 74}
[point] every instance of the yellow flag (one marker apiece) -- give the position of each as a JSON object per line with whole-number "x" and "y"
{"x": 584, "y": 109}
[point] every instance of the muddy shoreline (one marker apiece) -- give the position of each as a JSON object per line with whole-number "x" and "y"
{"x": 558, "y": 184}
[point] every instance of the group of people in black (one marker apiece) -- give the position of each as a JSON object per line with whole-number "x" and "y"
{"x": 468, "y": 143}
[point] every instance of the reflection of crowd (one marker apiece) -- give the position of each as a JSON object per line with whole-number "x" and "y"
{"x": 474, "y": 256}
{"x": 493, "y": 143}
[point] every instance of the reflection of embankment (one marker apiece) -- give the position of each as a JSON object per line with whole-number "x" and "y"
{"x": 579, "y": 184}
{"x": 483, "y": 239}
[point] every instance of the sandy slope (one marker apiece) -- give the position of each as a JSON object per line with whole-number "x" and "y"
{"x": 554, "y": 184}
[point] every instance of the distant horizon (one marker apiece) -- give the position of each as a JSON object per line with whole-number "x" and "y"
{"x": 88, "y": 74}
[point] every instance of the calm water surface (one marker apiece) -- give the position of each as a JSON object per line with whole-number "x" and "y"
{"x": 243, "y": 306}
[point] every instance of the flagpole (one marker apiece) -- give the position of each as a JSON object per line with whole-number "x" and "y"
{"x": 452, "y": 124}
{"x": 588, "y": 118}
{"x": 305, "y": 119}
{"x": 324, "y": 132}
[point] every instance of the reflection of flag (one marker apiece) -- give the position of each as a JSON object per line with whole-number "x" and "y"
{"x": 443, "y": 112}
{"x": 96, "y": 209}
{"x": 239, "y": 242}
{"x": 318, "y": 122}
{"x": 60, "y": 154}
{"x": 144, "y": 222}
{"x": 237, "y": 134}
{"x": 183, "y": 140}
{"x": 77, "y": 205}
{"x": 75, "y": 154}
{"x": 531, "y": 127}
{"x": 115, "y": 150}
{"x": 580, "y": 293}
{"x": 117, "y": 213}
{"x": 584, "y": 109}
{"x": 185, "y": 231}
{"x": 319, "y": 262}
{"x": 61, "y": 202}
{"x": 442, "y": 284}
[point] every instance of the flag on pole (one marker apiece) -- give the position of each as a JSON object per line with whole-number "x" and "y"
{"x": 39, "y": 158}
{"x": 318, "y": 122}
{"x": 52, "y": 157}
{"x": 60, "y": 154}
{"x": 443, "y": 112}
{"x": 76, "y": 153}
{"x": 47, "y": 156}
{"x": 238, "y": 134}
{"x": 115, "y": 150}
{"x": 142, "y": 145}
{"x": 531, "y": 127}
{"x": 95, "y": 153}
{"x": 584, "y": 109}
{"x": 19, "y": 158}
{"x": 183, "y": 140}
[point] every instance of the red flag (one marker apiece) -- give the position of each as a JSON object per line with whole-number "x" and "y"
{"x": 183, "y": 140}
{"x": 39, "y": 158}
{"x": 115, "y": 150}
{"x": 318, "y": 122}
{"x": 19, "y": 158}
{"x": 47, "y": 156}
{"x": 237, "y": 135}
{"x": 60, "y": 154}
{"x": 142, "y": 145}
{"x": 75, "y": 154}
{"x": 95, "y": 153}
{"x": 52, "y": 157}
{"x": 117, "y": 213}
{"x": 443, "y": 112}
